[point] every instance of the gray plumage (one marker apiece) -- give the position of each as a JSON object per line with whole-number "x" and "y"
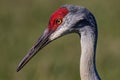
{"x": 79, "y": 20}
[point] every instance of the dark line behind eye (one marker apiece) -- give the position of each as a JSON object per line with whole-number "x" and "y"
{"x": 81, "y": 23}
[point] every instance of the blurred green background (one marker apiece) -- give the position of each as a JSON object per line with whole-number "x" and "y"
{"x": 22, "y": 22}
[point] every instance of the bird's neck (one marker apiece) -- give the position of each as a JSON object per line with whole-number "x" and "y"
{"x": 87, "y": 61}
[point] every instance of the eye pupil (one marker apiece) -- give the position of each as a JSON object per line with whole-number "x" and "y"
{"x": 58, "y": 21}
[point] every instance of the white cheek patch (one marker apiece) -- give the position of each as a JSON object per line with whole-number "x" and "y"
{"x": 58, "y": 33}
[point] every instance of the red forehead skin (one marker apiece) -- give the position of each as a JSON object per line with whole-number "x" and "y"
{"x": 58, "y": 14}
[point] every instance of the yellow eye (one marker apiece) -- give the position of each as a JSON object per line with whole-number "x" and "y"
{"x": 58, "y": 21}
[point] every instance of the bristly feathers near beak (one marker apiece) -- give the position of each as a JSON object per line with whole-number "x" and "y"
{"x": 42, "y": 42}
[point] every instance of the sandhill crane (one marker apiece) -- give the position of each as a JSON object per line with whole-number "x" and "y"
{"x": 71, "y": 19}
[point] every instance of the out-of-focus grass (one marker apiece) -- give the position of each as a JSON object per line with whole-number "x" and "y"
{"x": 22, "y": 22}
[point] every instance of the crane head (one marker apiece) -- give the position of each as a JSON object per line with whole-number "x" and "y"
{"x": 66, "y": 19}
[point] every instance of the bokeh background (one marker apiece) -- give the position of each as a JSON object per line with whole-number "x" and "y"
{"x": 22, "y": 22}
